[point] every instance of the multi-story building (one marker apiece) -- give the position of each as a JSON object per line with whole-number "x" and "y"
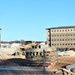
{"x": 61, "y": 37}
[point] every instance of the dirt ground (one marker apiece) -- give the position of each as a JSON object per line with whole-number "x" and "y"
{"x": 61, "y": 62}
{"x": 5, "y": 57}
{"x": 8, "y": 60}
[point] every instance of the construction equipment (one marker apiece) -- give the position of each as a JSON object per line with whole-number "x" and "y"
{"x": 29, "y": 46}
{"x": 21, "y": 49}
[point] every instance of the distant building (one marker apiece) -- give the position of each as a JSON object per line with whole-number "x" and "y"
{"x": 5, "y": 45}
{"x": 61, "y": 37}
{"x": 15, "y": 45}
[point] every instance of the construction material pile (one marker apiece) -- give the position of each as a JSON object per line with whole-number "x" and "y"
{"x": 70, "y": 53}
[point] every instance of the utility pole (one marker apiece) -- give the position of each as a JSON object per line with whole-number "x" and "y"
{"x": 0, "y": 37}
{"x": 44, "y": 62}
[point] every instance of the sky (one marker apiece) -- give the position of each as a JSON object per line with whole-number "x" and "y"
{"x": 28, "y": 19}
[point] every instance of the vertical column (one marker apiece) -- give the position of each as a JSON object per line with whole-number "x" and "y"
{"x": 42, "y": 53}
{"x": 38, "y": 53}
{"x": 35, "y": 53}
{"x": 31, "y": 53}
{"x": 0, "y": 37}
{"x": 28, "y": 54}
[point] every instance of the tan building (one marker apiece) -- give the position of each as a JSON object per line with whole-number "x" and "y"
{"x": 61, "y": 37}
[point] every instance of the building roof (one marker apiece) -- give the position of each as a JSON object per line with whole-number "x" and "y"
{"x": 60, "y": 27}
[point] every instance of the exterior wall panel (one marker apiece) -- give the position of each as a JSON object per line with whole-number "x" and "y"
{"x": 61, "y": 37}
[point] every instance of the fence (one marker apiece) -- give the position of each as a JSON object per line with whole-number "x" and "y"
{"x": 24, "y": 70}
{"x": 18, "y": 66}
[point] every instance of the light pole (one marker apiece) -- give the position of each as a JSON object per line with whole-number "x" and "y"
{"x": 0, "y": 37}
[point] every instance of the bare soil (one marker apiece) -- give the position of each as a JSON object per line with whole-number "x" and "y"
{"x": 19, "y": 60}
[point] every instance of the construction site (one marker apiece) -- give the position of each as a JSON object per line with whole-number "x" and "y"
{"x": 36, "y": 59}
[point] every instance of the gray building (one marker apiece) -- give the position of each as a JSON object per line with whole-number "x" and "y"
{"x": 61, "y": 37}
{"x": 5, "y": 45}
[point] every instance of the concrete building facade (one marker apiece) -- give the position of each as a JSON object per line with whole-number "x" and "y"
{"x": 61, "y": 37}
